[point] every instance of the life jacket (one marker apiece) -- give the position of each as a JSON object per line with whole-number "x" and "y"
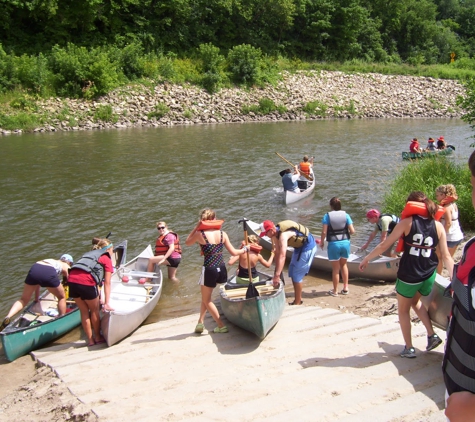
{"x": 392, "y": 224}
{"x": 301, "y": 233}
{"x": 417, "y": 208}
{"x": 210, "y": 225}
{"x": 288, "y": 183}
{"x": 89, "y": 262}
{"x": 161, "y": 248}
{"x": 458, "y": 365}
{"x": 305, "y": 167}
{"x": 253, "y": 247}
{"x": 337, "y": 226}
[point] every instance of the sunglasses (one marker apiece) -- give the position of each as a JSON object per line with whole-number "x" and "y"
{"x": 161, "y": 228}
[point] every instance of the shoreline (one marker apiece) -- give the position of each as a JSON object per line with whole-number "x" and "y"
{"x": 305, "y": 95}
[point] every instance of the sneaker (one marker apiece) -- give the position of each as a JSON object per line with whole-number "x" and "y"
{"x": 199, "y": 328}
{"x": 433, "y": 341}
{"x": 220, "y": 330}
{"x": 408, "y": 353}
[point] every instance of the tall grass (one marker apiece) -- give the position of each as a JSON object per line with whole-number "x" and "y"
{"x": 426, "y": 175}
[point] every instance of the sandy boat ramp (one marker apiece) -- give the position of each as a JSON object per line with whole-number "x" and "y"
{"x": 317, "y": 364}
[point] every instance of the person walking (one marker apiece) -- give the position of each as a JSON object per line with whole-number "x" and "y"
{"x": 417, "y": 268}
{"x": 212, "y": 241}
{"x": 336, "y": 230}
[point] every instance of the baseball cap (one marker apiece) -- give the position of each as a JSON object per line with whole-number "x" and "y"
{"x": 265, "y": 227}
{"x": 373, "y": 214}
{"x": 441, "y": 138}
{"x": 66, "y": 257}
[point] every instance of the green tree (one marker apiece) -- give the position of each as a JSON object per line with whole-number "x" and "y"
{"x": 467, "y": 102}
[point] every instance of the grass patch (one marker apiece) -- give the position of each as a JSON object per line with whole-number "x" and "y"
{"x": 266, "y": 106}
{"x": 104, "y": 113}
{"x": 426, "y": 176}
{"x": 160, "y": 110}
{"x": 21, "y": 120}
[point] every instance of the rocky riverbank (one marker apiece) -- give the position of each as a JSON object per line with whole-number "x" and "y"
{"x": 300, "y": 96}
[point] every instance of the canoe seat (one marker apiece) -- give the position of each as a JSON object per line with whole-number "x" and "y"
{"x": 44, "y": 318}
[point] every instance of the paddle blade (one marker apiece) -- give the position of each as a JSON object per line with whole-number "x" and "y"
{"x": 251, "y": 291}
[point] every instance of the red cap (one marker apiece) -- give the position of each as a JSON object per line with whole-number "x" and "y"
{"x": 373, "y": 214}
{"x": 265, "y": 227}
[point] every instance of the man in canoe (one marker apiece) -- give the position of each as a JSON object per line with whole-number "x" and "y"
{"x": 289, "y": 233}
{"x": 289, "y": 180}
{"x": 415, "y": 147}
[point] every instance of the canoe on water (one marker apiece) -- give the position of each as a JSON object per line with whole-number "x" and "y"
{"x": 257, "y": 315}
{"x": 38, "y": 323}
{"x": 306, "y": 187}
{"x": 132, "y": 301}
{"x": 381, "y": 268}
{"x": 427, "y": 154}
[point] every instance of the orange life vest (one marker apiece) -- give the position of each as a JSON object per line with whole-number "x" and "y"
{"x": 253, "y": 247}
{"x": 161, "y": 248}
{"x": 305, "y": 167}
{"x": 210, "y": 225}
{"x": 417, "y": 208}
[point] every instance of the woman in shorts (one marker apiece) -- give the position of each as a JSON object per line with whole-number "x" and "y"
{"x": 212, "y": 241}
{"x": 86, "y": 276}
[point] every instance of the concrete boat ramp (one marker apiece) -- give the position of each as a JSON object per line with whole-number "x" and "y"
{"x": 315, "y": 365}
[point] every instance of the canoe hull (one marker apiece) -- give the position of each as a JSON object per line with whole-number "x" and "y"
{"x": 382, "y": 268}
{"x": 257, "y": 315}
{"x": 426, "y": 154}
{"x": 18, "y": 341}
{"x": 438, "y": 304}
{"x": 291, "y": 197}
{"x": 132, "y": 302}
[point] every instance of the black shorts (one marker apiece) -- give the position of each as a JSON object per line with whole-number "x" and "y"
{"x": 211, "y": 276}
{"x": 43, "y": 275}
{"x": 174, "y": 262}
{"x": 82, "y": 291}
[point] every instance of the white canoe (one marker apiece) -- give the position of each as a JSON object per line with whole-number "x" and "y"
{"x": 381, "y": 268}
{"x": 291, "y": 197}
{"x": 439, "y": 302}
{"x": 132, "y": 302}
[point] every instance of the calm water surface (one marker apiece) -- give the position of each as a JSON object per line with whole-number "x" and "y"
{"x": 59, "y": 190}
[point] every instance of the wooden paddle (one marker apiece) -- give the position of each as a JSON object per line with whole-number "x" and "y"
{"x": 246, "y": 242}
{"x": 288, "y": 162}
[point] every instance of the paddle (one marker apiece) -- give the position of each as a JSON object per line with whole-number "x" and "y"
{"x": 251, "y": 289}
{"x": 288, "y": 162}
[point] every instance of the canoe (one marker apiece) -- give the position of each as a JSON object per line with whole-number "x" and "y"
{"x": 38, "y": 323}
{"x": 382, "y": 268}
{"x": 439, "y": 302}
{"x": 306, "y": 188}
{"x": 257, "y": 315}
{"x": 427, "y": 154}
{"x": 132, "y": 302}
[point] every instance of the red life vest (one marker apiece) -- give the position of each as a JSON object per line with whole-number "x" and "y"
{"x": 416, "y": 208}
{"x": 161, "y": 248}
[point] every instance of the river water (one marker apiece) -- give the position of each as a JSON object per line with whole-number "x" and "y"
{"x": 58, "y": 190}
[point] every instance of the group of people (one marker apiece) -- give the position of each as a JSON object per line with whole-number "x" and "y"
{"x": 291, "y": 178}
{"x": 431, "y": 145}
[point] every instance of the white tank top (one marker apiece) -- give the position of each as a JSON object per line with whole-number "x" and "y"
{"x": 55, "y": 264}
{"x": 455, "y": 232}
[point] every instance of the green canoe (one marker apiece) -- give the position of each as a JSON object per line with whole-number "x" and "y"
{"x": 258, "y": 314}
{"x": 39, "y": 324}
{"x": 427, "y": 154}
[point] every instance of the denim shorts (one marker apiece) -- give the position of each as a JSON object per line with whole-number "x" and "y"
{"x": 454, "y": 243}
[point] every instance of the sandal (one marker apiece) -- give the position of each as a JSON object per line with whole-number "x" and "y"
{"x": 293, "y": 303}
{"x": 199, "y": 328}
{"x": 345, "y": 292}
{"x": 5, "y": 322}
{"x": 332, "y": 293}
{"x": 223, "y": 329}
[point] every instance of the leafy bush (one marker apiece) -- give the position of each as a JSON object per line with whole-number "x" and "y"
{"x": 212, "y": 64}
{"x": 315, "y": 108}
{"x": 132, "y": 61}
{"x": 426, "y": 176}
{"x": 33, "y": 73}
{"x": 266, "y": 106}
{"x": 79, "y": 72}
{"x": 244, "y": 62}
{"x": 105, "y": 113}
{"x": 159, "y": 111}
{"x": 21, "y": 120}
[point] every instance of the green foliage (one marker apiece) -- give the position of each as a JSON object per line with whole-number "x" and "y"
{"x": 315, "y": 108}
{"x": 159, "y": 111}
{"x": 426, "y": 176}
{"x": 266, "y": 106}
{"x": 79, "y": 72}
{"x": 104, "y": 113}
{"x": 21, "y": 120}
{"x": 24, "y": 103}
{"x": 244, "y": 62}
{"x": 212, "y": 67}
